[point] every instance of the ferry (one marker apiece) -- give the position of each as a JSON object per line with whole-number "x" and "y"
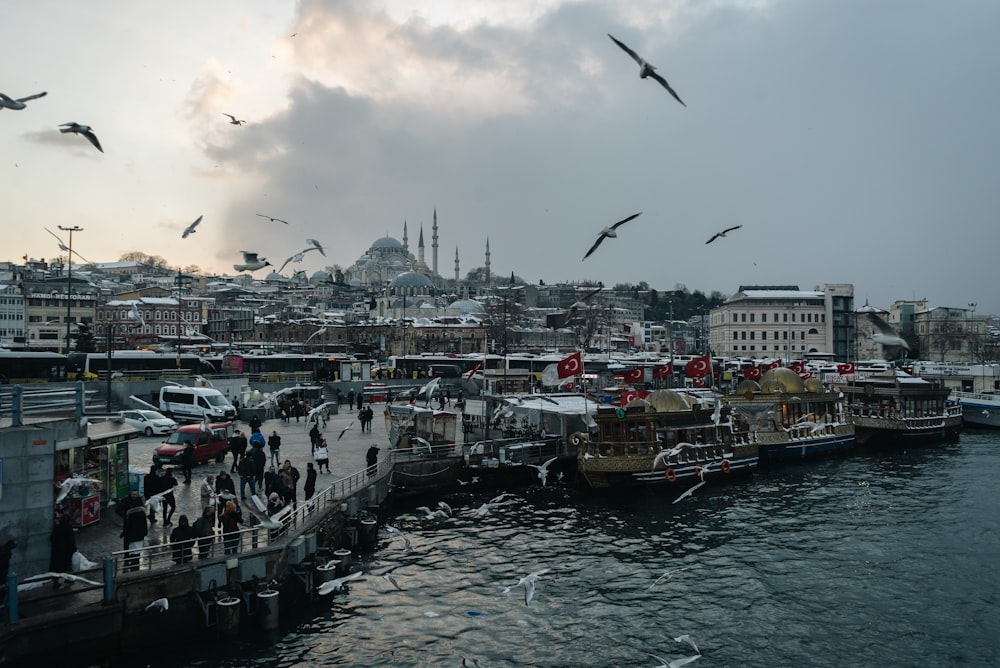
{"x": 975, "y": 386}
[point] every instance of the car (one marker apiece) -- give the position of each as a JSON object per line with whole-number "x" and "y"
{"x": 209, "y": 445}
{"x": 149, "y": 422}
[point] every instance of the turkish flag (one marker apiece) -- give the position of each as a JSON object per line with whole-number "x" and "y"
{"x": 571, "y": 366}
{"x": 805, "y": 376}
{"x": 698, "y": 367}
{"x": 797, "y": 367}
{"x": 698, "y": 382}
{"x": 665, "y": 371}
{"x": 634, "y": 375}
{"x": 753, "y": 373}
{"x": 847, "y": 369}
{"x": 569, "y": 387}
{"x": 773, "y": 365}
{"x": 628, "y": 397}
{"x": 643, "y": 393}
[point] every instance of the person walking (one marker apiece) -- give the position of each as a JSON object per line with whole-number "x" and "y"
{"x": 208, "y": 497}
{"x": 237, "y": 446}
{"x": 313, "y": 436}
{"x": 322, "y": 457}
{"x": 63, "y": 545}
{"x": 225, "y": 490}
{"x": 168, "y": 482}
{"x": 361, "y": 399}
{"x": 274, "y": 445}
{"x": 204, "y": 530}
{"x": 151, "y": 487}
{"x": 259, "y": 460}
{"x": 188, "y": 462}
{"x": 350, "y": 398}
{"x": 248, "y": 476}
{"x": 310, "y": 487}
{"x": 134, "y": 529}
{"x": 182, "y": 539}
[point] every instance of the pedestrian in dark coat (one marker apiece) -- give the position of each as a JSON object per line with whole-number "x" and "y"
{"x": 361, "y": 399}
{"x": 188, "y": 462}
{"x": 372, "y": 458}
{"x": 168, "y": 482}
{"x": 310, "y": 487}
{"x": 313, "y": 436}
{"x": 133, "y": 534}
{"x": 204, "y": 530}
{"x": 237, "y": 446}
{"x": 231, "y": 520}
{"x": 151, "y": 485}
{"x": 259, "y": 462}
{"x": 182, "y": 538}
{"x": 63, "y": 545}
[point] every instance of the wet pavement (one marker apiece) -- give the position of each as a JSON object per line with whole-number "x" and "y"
{"x": 347, "y": 457}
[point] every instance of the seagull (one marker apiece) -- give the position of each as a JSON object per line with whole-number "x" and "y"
{"x": 317, "y": 245}
{"x": 543, "y": 470}
{"x": 153, "y": 503}
{"x": 233, "y": 120}
{"x": 273, "y": 220}
{"x": 159, "y": 605}
{"x": 406, "y": 539}
{"x": 344, "y": 430}
{"x": 676, "y": 663}
{"x": 295, "y": 258}
{"x": 36, "y": 581}
{"x": 64, "y": 247}
{"x": 647, "y": 70}
{"x": 84, "y": 130}
{"x": 67, "y": 485}
{"x": 577, "y": 305}
{"x": 135, "y": 315}
{"x": 338, "y": 584}
{"x": 431, "y": 514}
{"x": 474, "y": 479}
{"x": 190, "y": 228}
{"x": 689, "y": 491}
{"x": 528, "y": 582}
{"x": 666, "y": 576}
{"x": 445, "y": 507}
{"x": 665, "y": 454}
{"x": 251, "y": 262}
{"x": 390, "y": 578}
{"x": 723, "y": 233}
{"x": 886, "y": 335}
{"x": 19, "y": 103}
{"x": 609, "y": 232}
{"x": 689, "y": 641}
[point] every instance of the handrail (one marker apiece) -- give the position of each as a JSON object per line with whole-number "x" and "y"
{"x": 17, "y": 401}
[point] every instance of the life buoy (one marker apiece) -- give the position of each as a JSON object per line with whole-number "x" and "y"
{"x": 670, "y": 475}
{"x": 620, "y": 413}
{"x": 725, "y": 466}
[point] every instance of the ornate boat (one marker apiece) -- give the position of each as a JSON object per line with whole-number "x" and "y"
{"x": 896, "y": 408}
{"x": 790, "y": 418}
{"x": 662, "y": 442}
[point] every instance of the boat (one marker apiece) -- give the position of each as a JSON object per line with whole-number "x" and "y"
{"x": 975, "y": 386}
{"x": 895, "y": 408}
{"x": 979, "y": 409}
{"x": 662, "y": 442}
{"x": 791, "y": 419}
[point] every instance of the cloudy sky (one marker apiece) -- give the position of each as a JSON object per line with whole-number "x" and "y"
{"x": 856, "y": 141}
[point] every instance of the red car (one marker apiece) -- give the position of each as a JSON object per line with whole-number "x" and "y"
{"x": 208, "y": 445}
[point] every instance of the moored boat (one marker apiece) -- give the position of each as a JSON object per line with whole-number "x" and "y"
{"x": 979, "y": 409}
{"x": 662, "y": 442}
{"x": 896, "y": 408}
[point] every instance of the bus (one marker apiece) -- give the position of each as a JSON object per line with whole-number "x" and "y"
{"x": 442, "y": 366}
{"x": 137, "y": 365}
{"x": 20, "y": 367}
{"x": 278, "y": 367}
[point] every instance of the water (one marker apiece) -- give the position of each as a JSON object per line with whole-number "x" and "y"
{"x": 879, "y": 558}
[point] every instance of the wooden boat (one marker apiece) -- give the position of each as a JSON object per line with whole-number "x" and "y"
{"x": 662, "y": 442}
{"x": 896, "y": 408}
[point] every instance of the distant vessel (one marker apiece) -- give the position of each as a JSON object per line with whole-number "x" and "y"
{"x": 979, "y": 409}
{"x": 975, "y": 386}
{"x": 662, "y": 442}
{"x": 895, "y": 408}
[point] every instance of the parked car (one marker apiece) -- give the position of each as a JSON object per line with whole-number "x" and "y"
{"x": 149, "y": 422}
{"x": 209, "y": 445}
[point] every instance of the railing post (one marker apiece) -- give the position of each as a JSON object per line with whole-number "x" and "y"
{"x": 17, "y": 406}
{"x": 109, "y": 579}
{"x": 80, "y": 398}
{"x": 12, "y": 614}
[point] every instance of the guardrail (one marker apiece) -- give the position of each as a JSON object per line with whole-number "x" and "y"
{"x": 17, "y": 402}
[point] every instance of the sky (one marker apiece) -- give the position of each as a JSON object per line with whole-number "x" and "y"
{"x": 856, "y": 141}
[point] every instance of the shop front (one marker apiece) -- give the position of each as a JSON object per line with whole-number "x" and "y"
{"x": 104, "y": 459}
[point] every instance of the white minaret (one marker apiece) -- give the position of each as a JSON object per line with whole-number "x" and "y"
{"x": 434, "y": 243}
{"x": 406, "y": 243}
{"x": 456, "y": 264}
{"x": 487, "y": 277}
{"x": 420, "y": 249}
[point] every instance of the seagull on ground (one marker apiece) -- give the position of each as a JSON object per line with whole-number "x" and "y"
{"x": 190, "y": 228}
{"x": 609, "y": 232}
{"x": 543, "y": 470}
{"x": 159, "y": 605}
{"x": 723, "y": 233}
{"x": 67, "y": 485}
{"x": 233, "y": 120}
{"x": 272, "y": 219}
{"x": 19, "y": 103}
{"x": 528, "y": 582}
{"x": 338, "y": 584}
{"x": 317, "y": 245}
{"x": 887, "y": 336}
{"x": 647, "y": 70}
{"x": 84, "y": 130}
{"x": 251, "y": 262}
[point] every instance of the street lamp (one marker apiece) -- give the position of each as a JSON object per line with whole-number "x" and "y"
{"x": 69, "y": 276}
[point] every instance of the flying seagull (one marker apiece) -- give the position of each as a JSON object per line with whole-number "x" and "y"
{"x": 390, "y": 578}
{"x": 344, "y": 430}
{"x": 251, "y": 262}
{"x": 887, "y": 336}
{"x": 647, "y": 70}
{"x": 65, "y": 248}
{"x": 723, "y": 233}
{"x": 676, "y": 663}
{"x": 580, "y": 303}
{"x": 317, "y": 245}
{"x": 295, "y": 258}
{"x": 159, "y": 605}
{"x": 689, "y": 492}
{"x": 689, "y": 641}
{"x": 609, "y": 232}
{"x": 233, "y": 120}
{"x": 67, "y": 486}
{"x": 273, "y": 220}
{"x": 338, "y": 584}
{"x": 528, "y": 582}
{"x": 190, "y": 228}
{"x": 543, "y": 470}
{"x": 19, "y": 103}
{"x": 84, "y": 130}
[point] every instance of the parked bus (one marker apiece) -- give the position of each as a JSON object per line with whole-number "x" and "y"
{"x": 19, "y": 367}
{"x": 279, "y": 367}
{"x": 136, "y": 364}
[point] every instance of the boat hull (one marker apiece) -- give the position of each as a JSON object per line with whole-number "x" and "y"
{"x": 779, "y": 447}
{"x": 903, "y": 431}
{"x": 980, "y": 410}
{"x": 638, "y": 471}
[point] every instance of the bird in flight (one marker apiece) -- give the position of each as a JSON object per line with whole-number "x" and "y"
{"x": 889, "y": 338}
{"x": 317, "y": 245}
{"x": 273, "y": 220}
{"x": 723, "y": 233}
{"x": 84, "y": 130}
{"x": 609, "y": 232}
{"x": 19, "y": 103}
{"x": 295, "y": 258}
{"x": 251, "y": 262}
{"x": 647, "y": 70}
{"x": 577, "y": 305}
{"x": 233, "y": 120}
{"x": 190, "y": 228}
{"x": 528, "y": 582}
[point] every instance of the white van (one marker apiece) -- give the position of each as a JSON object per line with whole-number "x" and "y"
{"x": 195, "y": 403}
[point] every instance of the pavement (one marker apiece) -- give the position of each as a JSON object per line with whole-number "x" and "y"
{"x": 347, "y": 457}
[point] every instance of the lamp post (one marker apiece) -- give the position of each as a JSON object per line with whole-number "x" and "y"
{"x": 974, "y": 347}
{"x": 69, "y": 276}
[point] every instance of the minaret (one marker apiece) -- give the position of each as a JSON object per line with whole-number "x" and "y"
{"x": 406, "y": 243}
{"x": 487, "y": 276}
{"x": 456, "y": 264}
{"x": 420, "y": 249}
{"x": 434, "y": 243}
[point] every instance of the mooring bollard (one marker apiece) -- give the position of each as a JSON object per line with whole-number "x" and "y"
{"x": 267, "y": 609}
{"x": 229, "y": 615}
{"x": 12, "y": 614}
{"x": 109, "y": 579}
{"x": 369, "y": 533}
{"x": 343, "y": 558}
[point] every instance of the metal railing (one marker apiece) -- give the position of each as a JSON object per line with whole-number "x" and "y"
{"x": 18, "y": 402}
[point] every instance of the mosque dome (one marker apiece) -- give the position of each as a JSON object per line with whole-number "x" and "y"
{"x": 319, "y": 276}
{"x": 747, "y": 385}
{"x": 467, "y": 307}
{"x": 274, "y": 276}
{"x": 387, "y": 244}
{"x": 411, "y": 279}
{"x": 667, "y": 400}
{"x": 781, "y": 380}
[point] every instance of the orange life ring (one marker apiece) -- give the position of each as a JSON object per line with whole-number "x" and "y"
{"x": 670, "y": 475}
{"x": 725, "y": 466}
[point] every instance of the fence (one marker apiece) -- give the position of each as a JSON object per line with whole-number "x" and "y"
{"x": 18, "y": 402}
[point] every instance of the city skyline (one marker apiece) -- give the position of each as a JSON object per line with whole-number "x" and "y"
{"x": 854, "y": 142}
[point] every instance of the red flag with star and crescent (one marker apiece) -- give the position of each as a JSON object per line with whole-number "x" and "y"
{"x": 570, "y": 366}
{"x": 634, "y": 375}
{"x": 752, "y": 373}
{"x": 629, "y": 396}
{"x": 664, "y": 371}
{"x": 698, "y": 367}
{"x": 797, "y": 367}
{"x": 773, "y": 365}
{"x": 847, "y": 369}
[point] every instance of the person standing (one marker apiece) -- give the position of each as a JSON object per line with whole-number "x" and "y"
{"x": 134, "y": 530}
{"x": 188, "y": 462}
{"x": 248, "y": 476}
{"x": 310, "y": 487}
{"x": 151, "y": 487}
{"x": 372, "y": 459}
{"x": 292, "y": 480}
{"x": 254, "y": 423}
{"x": 322, "y": 456}
{"x": 350, "y": 398}
{"x": 6, "y": 551}
{"x": 237, "y": 446}
{"x": 182, "y": 538}
{"x": 314, "y": 437}
{"x": 231, "y": 520}
{"x": 204, "y": 530}
{"x": 63, "y": 545}
{"x": 207, "y": 494}
{"x": 274, "y": 445}
{"x": 361, "y": 399}
{"x": 259, "y": 460}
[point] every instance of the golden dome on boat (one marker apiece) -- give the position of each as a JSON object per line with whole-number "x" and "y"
{"x": 814, "y": 385}
{"x": 781, "y": 380}
{"x": 747, "y": 385}
{"x": 635, "y": 403}
{"x": 667, "y": 400}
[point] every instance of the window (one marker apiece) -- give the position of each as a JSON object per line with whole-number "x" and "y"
{"x": 785, "y": 319}
{"x": 751, "y": 317}
{"x": 763, "y": 317}
{"x": 743, "y": 317}
{"x": 763, "y": 336}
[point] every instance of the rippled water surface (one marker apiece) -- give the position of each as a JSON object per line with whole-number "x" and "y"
{"x": 879, "y": 558}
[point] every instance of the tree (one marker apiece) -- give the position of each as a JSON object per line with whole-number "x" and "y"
{"x": 84, "y": 338}
{"x": 192, "y": 269}
{"x": 143, "y": 258}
